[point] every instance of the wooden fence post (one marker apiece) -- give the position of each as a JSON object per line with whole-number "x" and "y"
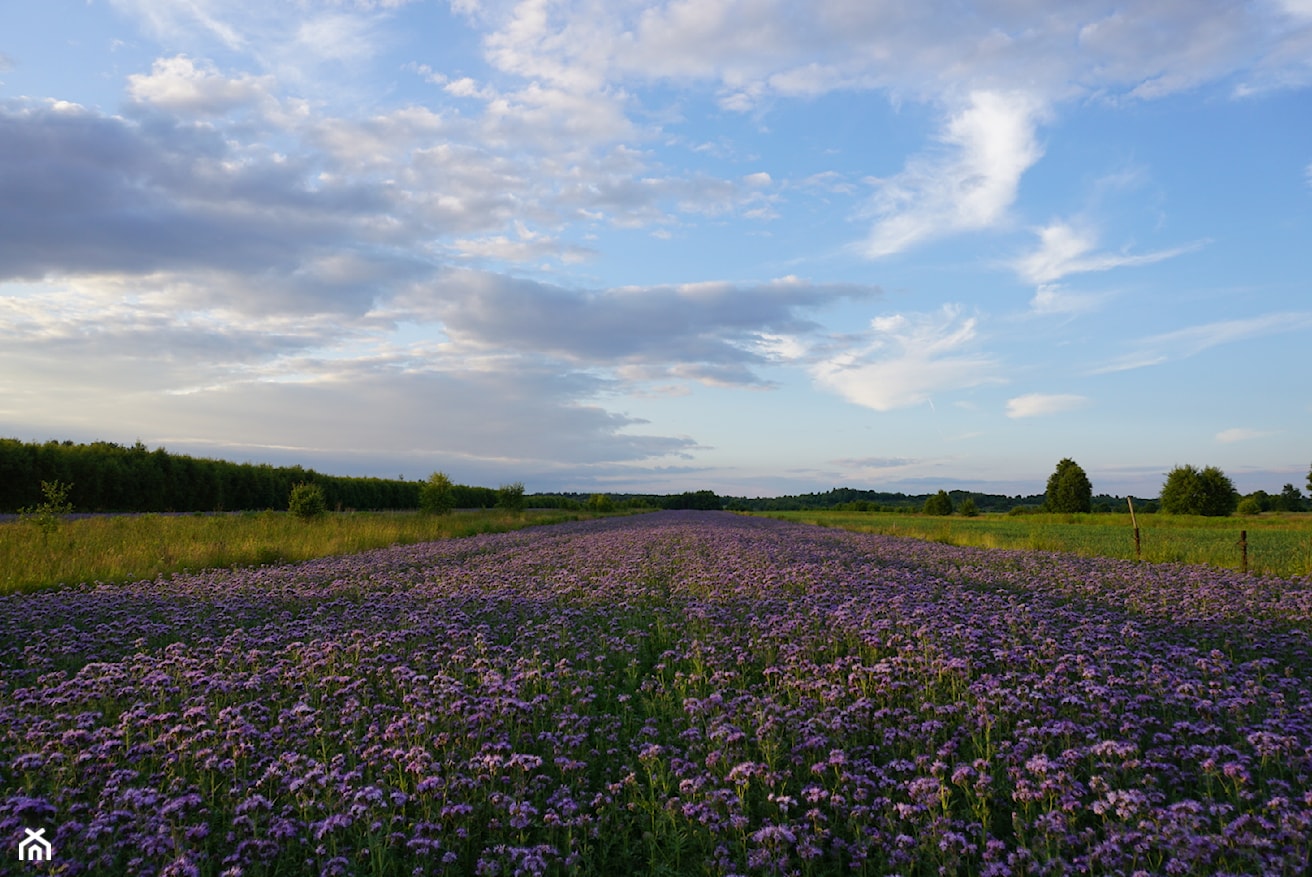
{"x": 1243, "y": 551}
{"x": 1138, "y": 554}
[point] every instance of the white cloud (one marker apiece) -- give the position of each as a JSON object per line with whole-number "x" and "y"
{"x": 526, "y": 246}
{"x": 335, "y": 37}
{"x": 996, "y": 69}
{"x": 1297, "y": 8}
{"x": 1065, "y": 249}
{"x": 179, "y": 84}
{"x": 1239, "y": 434}
{"x": 905, "y": 359}
{"x": 969, "y": 184}
{"x": 1193, "y": 340}
{"x": 1039, "y": 404}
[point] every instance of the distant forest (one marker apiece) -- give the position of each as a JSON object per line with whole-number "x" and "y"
{"x": 108, "y": 477}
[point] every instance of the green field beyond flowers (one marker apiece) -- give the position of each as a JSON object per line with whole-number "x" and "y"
{"x": 123, "y": 547}
{"x": 1279, "y": 545}
{"x": 116, "y": 548}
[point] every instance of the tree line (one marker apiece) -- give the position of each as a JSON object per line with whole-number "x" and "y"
{"x": 108, "y": 477}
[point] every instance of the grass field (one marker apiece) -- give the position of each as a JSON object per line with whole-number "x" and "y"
{"x": 1278, "y": 545}
{"x": 121, "y": 547}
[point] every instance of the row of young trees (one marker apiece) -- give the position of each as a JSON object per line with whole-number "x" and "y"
{"x": 106, "y": 477}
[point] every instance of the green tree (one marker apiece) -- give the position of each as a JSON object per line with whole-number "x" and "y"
{"x": 968, "y": 508}
{"x": 1069, "y": 489}
{"x": 939, "y": 504}
{"x": 437, "y": 496}
{"x": 1191, "y": 491}
{"x": 307, "y": 501}
{"x": 1289, "y": 500}
{"x": 601, "y": 503}
{"x": 1264, "y": 500}
{"x": 511, "y": 496}
{"x": 694, "y": 499}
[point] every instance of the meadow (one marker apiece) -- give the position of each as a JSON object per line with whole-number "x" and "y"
{"x": 1278, "y": 544}
{"x": 111, "y": 548}
{"x": 673, "y": 693}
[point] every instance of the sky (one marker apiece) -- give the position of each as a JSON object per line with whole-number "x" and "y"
{"x": 757, "y": 246}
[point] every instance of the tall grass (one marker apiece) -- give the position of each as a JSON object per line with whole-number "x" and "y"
{"x": 1278, "y": 545}
{"x": 123, "y": 547}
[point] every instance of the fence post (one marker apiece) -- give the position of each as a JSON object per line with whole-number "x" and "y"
{"x": 1243, "y": 551}
{"x": 1138, "y": 554}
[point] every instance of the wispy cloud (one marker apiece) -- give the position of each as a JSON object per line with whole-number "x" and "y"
{"x": 878, "y": 463}
{"x": 905, "y": 359}
{"x": 1190, "y": 341}
{"x": 966, "y": 186}
{"x": 1240, "y": 434}
{"x": 1053, "y": 298}
{"x": 1039, "y": 404}
{"x": 1065, "y": 249}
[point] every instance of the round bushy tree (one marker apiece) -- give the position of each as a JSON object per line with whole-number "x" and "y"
{"x": 1191, "y": 491}
{"x": 939, "y": 504}
{"x": 1069, "y": 489}
{"x": 437, "y": 496}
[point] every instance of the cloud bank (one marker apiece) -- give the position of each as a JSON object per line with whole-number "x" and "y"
{"x": 303, "y": 209}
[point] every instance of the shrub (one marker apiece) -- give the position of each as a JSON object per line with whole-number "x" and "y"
{"x": 600, "y": 502}
{"x": 968, "y": 508}
{"x": 437, "y": 496}
{"x": 1249, "y": 505}
{"x": 307, "y": 501}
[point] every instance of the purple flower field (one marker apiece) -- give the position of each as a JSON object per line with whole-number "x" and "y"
{"x": 674, "y": 693}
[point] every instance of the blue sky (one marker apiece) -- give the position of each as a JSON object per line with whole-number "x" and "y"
{"x": 752, "y": 245}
